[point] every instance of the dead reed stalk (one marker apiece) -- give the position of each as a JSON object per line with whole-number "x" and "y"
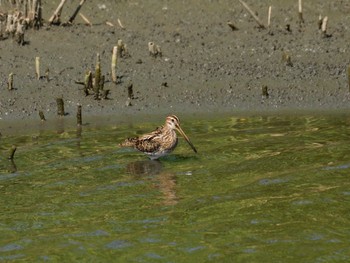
{"x": 251, "y": 12}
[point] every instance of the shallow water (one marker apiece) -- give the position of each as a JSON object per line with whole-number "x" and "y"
{"x": 261, "y": 189}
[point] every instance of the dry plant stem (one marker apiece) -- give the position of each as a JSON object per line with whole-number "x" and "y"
{"x": 324, "y": 25}
{"x": 97, "y": 76}
{"x": 60, "y": 107}
{"x": 12, "y": 152}
{"x": 121, "y": 48}
{"x": 261, "y": 25}
{"x": 232, "y": 26}
{"x": 154, "y": 50}
{"x": 105, "y": 94}
{"x": 120, "y": 24}
{"x": 47, "y": 72}
{"x": 114, "y": 64}
{"x": 265, "y": 93}
{"x": 37, "y": 67}
{"x": 71, "y": 19}
{"x": 319, "y": 23}
{"x": 300, "y": 4}
{"x": 79, "y": 119}
{"x": 87, "y": 22}
{"x": 19, "y": 35}
{"x": 37, "y": 10}
{"x": 56, "y": 17}
{"x": 269, "y": 17}
{"x": 130, "y": 91}
{"x": 10, "y": 81}
{"x": 42, "y": 116}
{"x": 88, "y": 82}
{"x": 287, "y": 59}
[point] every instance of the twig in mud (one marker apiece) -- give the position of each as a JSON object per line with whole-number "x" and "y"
{"x": 109, "y": 24}
{"x": 105, "y": 94}
{"x": 300, "y": 11}
{"x": 154, "y": 50}
{"x": 19, "y": 35}
{"x": 130, "y": 91}
{"x": 37, "y": 67}
{"x": 60, "y": 107}
{"x": 287, "y": 59}
{"x": 97, "y": 82}
{"x": 261, "y": 24}
{"x": 87, "y": 22}
{"x": 264, "y": 91}
{"x": 232, "y": 26}
{"x": 122, "y": 50}
{"x": 319, "y": 23}
{"x": 88, "y": 83}
{"x": 42, "y": 116}
{"x": 55, "y": 19}
{"x": 120, "y": 24}
{"x": 10, "y": 81}
{"x": 47, "y": 72}
{"x": 71, "y": 19}
{"x": 12, "y": 152}
{"x": 79, "y": 119}
{"x": 114, "y": 64}
{"x": 324, "y": 27}
{"x": 269, "y": 17}
{"x": 130, "y": 95}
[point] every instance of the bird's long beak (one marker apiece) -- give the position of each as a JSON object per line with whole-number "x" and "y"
{"x": 186, "y": 138}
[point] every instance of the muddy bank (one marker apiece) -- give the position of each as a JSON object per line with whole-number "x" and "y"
{"x": 205, "y": 66}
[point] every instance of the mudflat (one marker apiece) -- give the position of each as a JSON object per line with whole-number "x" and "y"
{"x": 206, "y": 66}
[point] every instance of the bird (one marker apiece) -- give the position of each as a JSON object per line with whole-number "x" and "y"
{"x": 159, "y": 142}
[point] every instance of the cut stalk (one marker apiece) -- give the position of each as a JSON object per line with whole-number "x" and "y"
{"x": 71, "y": 19}
{"x": 37, "y": 67}
{"x": 12, "y": 152}
{"x": 114, "y": 64}
{"x": 60, "y": 107}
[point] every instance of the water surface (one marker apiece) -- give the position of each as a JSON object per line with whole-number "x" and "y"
{"x": 261, "y": 189}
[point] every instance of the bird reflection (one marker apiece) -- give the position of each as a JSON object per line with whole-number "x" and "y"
{"x": 165, "y": 181}
{"x": 146, "y": 167}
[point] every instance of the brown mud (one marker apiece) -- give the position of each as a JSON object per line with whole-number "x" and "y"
{"x": 205, "y": 67}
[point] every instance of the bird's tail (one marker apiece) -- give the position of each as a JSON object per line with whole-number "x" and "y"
{"x": 129, "y": 142}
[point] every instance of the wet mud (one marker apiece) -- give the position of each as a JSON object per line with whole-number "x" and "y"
{"x": 205, "y": 66}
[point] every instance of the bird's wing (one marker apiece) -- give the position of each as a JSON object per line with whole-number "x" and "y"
{"x": 149, "y": 142}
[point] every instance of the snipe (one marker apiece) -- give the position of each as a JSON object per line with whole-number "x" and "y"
{"x": 160, "y": 142}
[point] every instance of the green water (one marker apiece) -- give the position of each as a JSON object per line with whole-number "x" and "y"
{"x": 261, "y": 189}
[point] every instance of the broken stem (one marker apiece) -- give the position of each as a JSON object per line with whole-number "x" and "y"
{"x": 60, "y": 107}
{"x": 10, "y": 81}
{"x": 301, "y": 19}
{"x": 56, "y": 17}
{"x": 71, "y": 19}
{"x": 269, "y": 17}
{"x": 114, "y": 64}
{"x": 37, "y": 67}
{"x": 261, "y": 24}
{"x": 12, "y": 152}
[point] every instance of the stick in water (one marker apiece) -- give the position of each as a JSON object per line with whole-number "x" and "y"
{"x": 12, "y": 152}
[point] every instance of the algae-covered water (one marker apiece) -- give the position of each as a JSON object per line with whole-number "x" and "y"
{"x": 260, "y": 189}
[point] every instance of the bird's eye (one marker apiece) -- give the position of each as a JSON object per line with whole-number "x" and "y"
{"x": 172, "y": 120}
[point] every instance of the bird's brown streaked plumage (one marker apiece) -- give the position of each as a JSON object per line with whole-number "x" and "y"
{"x": 161, "y": 141}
